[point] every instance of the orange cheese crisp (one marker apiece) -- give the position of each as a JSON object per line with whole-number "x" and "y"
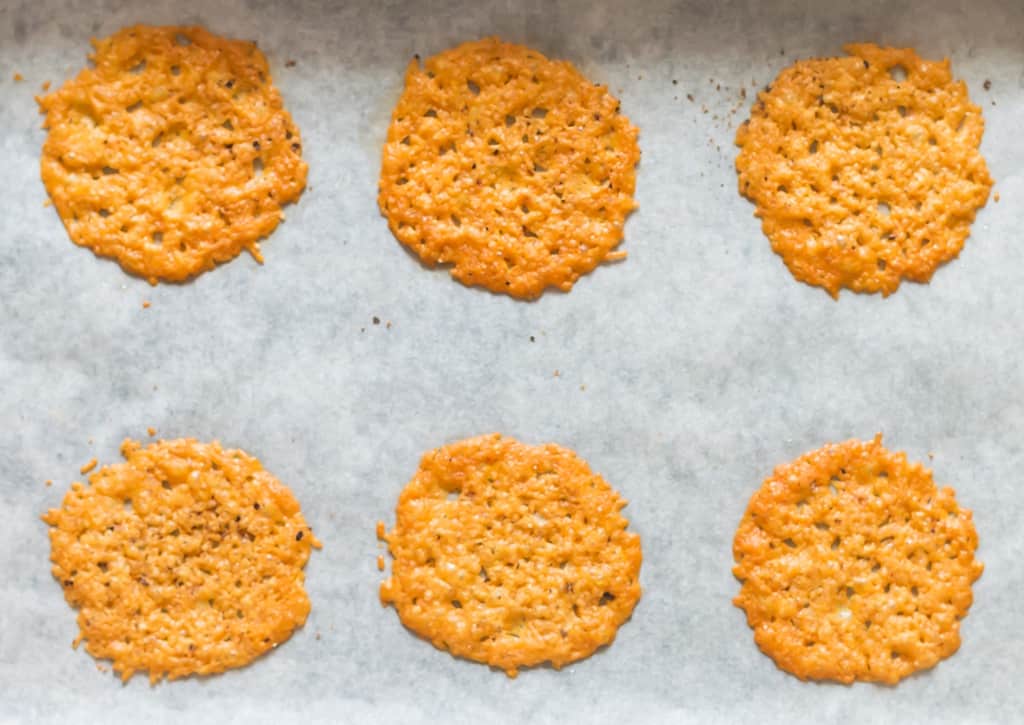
{"x": 186, "y": 559}
{"x": 173, "y": 154}
{"x": 514, "y": 169}
{"x": 511, "y": 554}
{"x": 855, "y": 566}
{"x": 861, "y": 177}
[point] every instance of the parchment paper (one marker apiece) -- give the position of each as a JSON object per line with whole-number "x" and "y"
{"x": 683, "y": 375}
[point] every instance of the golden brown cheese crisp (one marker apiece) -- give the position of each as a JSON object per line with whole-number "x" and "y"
{"x": 513, "y": 169}
{"x": 511, "y": 554}
{"x": 854, "y": 566}
{"x": 862, "y": 177}
{"x": 185, "y": 559}
{"x": 173, "y": 154}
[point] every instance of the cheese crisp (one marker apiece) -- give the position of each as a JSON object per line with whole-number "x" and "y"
{"x": 173, "y": 154}
{"x": 512, "y": 555}
{"x": 855, "y": 566}
{"x": 186, "y": 559}
{"x": 865, "y": 170}
{"x": 514, "y": 170}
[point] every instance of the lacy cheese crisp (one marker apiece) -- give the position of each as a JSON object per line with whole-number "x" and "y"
{"x": 865, "y": 169}
{"x": 511, "y": 554}
{"x": 185, "y": 559}
{"x": 854, "y": 566}
{"x": 173, "y": 154}
{"x": 512, "y": 169}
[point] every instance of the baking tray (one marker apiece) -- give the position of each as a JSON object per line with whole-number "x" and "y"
{"x": 683, "y": 375}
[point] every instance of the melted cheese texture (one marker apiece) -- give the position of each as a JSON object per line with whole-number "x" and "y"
{"x": 865, "y": 169}
{"x": 854, "y": 566}
{"x": 512, "y": 554}
{"x": 185, "y": 559}
{"x": 173, "y": 154}
{"x": 512, "y": 169}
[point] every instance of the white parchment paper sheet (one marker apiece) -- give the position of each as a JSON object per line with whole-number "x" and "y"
{"x": 684, "y": 374}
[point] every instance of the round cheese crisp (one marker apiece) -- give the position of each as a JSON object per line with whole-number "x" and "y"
{"x": 186, "y": 559}
{"x": 513, "y": 169}
{"x": 855, "y": 566}
{"x": 512, "y": 555}
{"x": 173, "y": 154}
{"x": 865, "y": 170}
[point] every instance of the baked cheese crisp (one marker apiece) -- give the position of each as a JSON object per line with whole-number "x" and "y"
{"x": 185, "y": 559}
{"x": 173, "y": 154}
{"x": 513, "y": 170}
{"x": 865, "y": 169}
{"x": 511, "y": 554}
{"x": 854, "y": 566}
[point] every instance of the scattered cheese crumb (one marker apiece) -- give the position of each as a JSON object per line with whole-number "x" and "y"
{"x": 49, "y": 482}
{"x": 996, "y": 197}
{"x": 145, "y": 304}
{"x": 88, "y": 466}
{"x": 151, "y": 430}
{"x": 46, "y": 85}
{"x": 380, "y": 562}
{"x": 18, "y": 77}
{"x": 380, "y": 529}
